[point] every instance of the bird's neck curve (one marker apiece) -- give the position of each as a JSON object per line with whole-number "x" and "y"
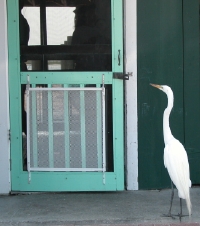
{"x": 166, "y": 128}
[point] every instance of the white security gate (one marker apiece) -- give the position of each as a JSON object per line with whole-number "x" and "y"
{"x": 66, "y": 128}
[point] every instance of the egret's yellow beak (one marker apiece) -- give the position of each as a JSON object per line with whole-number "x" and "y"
{"x": 154, "y": 85}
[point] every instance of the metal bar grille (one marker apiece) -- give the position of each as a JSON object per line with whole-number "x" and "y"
{"x": 66, "y": 128}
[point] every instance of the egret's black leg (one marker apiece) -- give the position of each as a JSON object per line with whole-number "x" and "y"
{"x": 180, "y": 214}
{"x": 172, "y": 196}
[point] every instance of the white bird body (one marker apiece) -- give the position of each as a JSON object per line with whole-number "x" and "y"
{"x": 176, "y": 162}
{"x": 175, "y": 156}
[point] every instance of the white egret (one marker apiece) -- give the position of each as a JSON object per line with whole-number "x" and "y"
{"x": 175, "y": 157}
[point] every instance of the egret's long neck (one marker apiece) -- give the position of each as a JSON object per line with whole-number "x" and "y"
{"x": 166, "y": 128}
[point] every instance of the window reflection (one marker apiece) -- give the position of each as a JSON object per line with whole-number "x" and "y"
{"x": 60, "y": 25}
{"x": 32, "y": 15}
{"x": 68, "y": 35}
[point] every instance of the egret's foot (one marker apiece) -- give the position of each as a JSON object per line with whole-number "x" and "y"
{"x": 169, "y": 215}
{"x": 181, "y": 215}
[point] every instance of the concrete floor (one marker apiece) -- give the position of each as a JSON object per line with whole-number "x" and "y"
{"x": 127, "y": 207}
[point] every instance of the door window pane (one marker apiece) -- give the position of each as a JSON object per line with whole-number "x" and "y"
{"x": 60, "y": 25}
{"x": 69, "y": 35}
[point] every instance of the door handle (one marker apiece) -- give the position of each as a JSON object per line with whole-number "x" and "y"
{"x": 119, "y": 57}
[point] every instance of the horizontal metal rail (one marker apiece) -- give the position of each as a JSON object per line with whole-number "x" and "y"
{"x": 67, "y": 169}
{"x": 63, "y": 89}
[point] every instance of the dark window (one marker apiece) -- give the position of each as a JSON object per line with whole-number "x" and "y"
{"x": 67, "y": 35}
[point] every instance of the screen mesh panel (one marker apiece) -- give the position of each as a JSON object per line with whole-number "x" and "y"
{"x": 65, "y": 129}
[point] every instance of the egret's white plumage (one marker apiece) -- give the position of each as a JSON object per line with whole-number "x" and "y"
{"x": 175, "y": 156}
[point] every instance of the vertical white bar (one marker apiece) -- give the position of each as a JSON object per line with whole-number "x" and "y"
{"x": 103, "y": 134}
{"x": 50, "y": 127}
{"x": 66, "y": 122}
{"x": 34, "y": 126}
{"x": 131, "y": 93}
{"x": 82, "y": 110}
{"x": 28, "y": 130}
{"x": 99, "y": 126}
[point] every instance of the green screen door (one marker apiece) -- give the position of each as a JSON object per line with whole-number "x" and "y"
{"x": 66, "y": 102}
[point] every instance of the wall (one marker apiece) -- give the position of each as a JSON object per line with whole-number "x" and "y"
{"x": 4, "y": 112}
{"x": 160, "y": 61}
{"x": 168, "y": 54}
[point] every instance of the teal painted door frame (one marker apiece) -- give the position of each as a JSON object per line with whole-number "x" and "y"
{"x": 65, "y": 181}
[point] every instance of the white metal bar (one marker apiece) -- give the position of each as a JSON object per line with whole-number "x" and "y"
{"x": 67, "y": 169}
{"x": 28, "y": 131}
{"x": 82, "y": 118}
{"x": 66, "y": 133}
{"x": 50, "y": 127}
{"x": 104, "y": 127}
{"x": 99, "y": 126}
{"x": 34, "y": 127}
{"x": 70, "y": 88}
{"x": 56, "y": 133}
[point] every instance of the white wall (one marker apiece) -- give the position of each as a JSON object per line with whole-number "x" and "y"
{"x": 4, "y": 112}
{"x": 130, "y": 23}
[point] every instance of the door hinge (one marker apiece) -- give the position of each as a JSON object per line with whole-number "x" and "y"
{"x": 119, "y": 75}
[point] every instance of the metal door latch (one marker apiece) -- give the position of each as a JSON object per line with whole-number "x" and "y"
{"x": 119, "y": 75}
